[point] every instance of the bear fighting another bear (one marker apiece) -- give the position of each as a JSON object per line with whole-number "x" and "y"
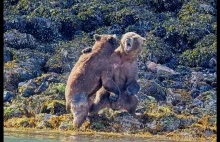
{"x": 125, "y": 74}
{"x": 106, "y": 72}
{"x": 91, "y": 71}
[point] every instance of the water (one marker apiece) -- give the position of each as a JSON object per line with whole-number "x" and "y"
{"x": 16, "y": 136}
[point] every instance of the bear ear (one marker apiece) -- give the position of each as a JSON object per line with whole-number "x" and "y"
{"x": 112, "y": 40}
{"x": 115, "y": 36}
{"x": 97, "y": 37}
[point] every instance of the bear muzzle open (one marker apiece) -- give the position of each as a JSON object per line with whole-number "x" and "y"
{"x": 128, "y": 45}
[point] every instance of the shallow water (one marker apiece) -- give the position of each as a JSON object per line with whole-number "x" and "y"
{"x": 15, "y": 136}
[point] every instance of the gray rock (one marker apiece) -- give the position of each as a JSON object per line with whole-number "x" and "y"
{"x": 30, "y": 57}
{"x": 48, "y": 116}
{"x": 178, "y": 109}
{"x": 44, "y": 124}
{"x": 212, "y": 62}
{"x": 42, "y": 87}
{"x": 207, "y": 8}
{"x": 28, "y": 88}
{"x": 21, "y": 84}
{"x": 173, "y": 98}
{"x": 165, "y": 70}
{"x": 169, "y": 123}
{"x": 148, "y": 76}
{"x": 197, "y": 103}
{"x": 18, "y": 23}
{"x": 196, "y": 77}
{"x": 15, "y": 73}
{"x": 186, "y": 122}
{"x": 194, "y": 93}
{"x": 65, "y": 126}
{"x": 152, "y": 126}
{"x": 12, "y": 111}
{"x": 210, "y": 78}
{"x": 8, "y": 96}
{"x": 205, "y": 87}
{"x": 208, "y": 95}
{"x": 26, "y": 65}
{"x": 161, "y": 70}
{"x": 17, "y": 40}
{"x": 42, "y": 29}
{"x": 7, "y": 54}
{"x": 151, "y": 66}
{"x": 151, "y": 88}
{"x": 210, "y": 104}
{"x": 208, "y": 133}
{"x": 183, "y": 70}
{"x": 128, "y": 123}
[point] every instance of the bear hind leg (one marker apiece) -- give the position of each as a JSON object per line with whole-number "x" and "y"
{"x": 79, "y": 108}
{"x": 101, "y": 101}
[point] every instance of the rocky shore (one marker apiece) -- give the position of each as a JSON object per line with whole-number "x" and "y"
{"x": 177, "y": 68}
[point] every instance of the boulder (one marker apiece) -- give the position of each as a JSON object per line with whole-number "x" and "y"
{"x": 151, "y": 88}
{"x": 17, "y": 40}
{"x": 42, "y": 29}
{"x": 42, "y": 87}
{"x": 8, "y": 56}
{"x": 8, "y": 96}
{"x": 28, "y": 88}
{"x": 127, "y": 122}
{"x": 159, "y": 69}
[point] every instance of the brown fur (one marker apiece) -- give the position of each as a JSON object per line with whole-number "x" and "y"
{"x": 91, "y": 71}
{"x": 125, "y": 74}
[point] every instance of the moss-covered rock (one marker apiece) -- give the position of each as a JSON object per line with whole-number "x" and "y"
{"x": 68, "y": 53}
{"x": 10, "y": 112}
{"x": 156, "y": 50}
{"x": 197, "y": 22}
{"x": 8, "y": 56}
{"x": 17, "y": 40}
{"x": 141, "y": 27}
{"x": 53, "y": 107}
{"x": 26, "y": 64}
{"x": 151, "y": 88}
{"x": 166, "y": 5}
{"x": 202, "y": 53}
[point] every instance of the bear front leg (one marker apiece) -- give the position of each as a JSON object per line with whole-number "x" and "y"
{"x": 101, "y": 101}
{"x": 79, "y": 108}
{"x": 132, "y": 88}
{"x": 111, "y": 87}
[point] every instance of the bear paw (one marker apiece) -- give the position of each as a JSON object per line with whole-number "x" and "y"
{"x": 113, "y": 97}
{"x": 130, "y": 91}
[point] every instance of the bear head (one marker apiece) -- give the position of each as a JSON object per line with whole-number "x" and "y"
{"x": 132, "y": 43}
{"x": 105, "y": 42}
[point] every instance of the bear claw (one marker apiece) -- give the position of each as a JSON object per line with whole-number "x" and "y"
{"x": 113, "y": 97}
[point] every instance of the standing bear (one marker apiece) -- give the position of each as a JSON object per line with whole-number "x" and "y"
{"x": 125, "y": 74}
{"x": 90, "y": 73}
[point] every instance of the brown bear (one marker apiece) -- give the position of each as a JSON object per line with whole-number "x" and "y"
{"x": 91, "y": 71}
{"x": 125, "y": 74}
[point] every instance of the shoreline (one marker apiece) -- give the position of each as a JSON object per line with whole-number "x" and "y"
{"x": 94, "y": 133}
